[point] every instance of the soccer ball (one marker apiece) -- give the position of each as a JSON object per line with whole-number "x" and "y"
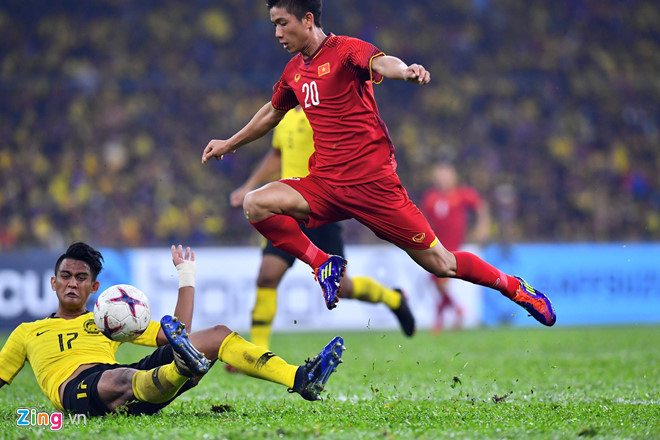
{"x": 122, "y": 312}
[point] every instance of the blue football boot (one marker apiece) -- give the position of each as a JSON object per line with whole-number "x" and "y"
{"x": 189, "y": 361}
{"x": 311, "y": 378}
{"x": 329, "y": 276}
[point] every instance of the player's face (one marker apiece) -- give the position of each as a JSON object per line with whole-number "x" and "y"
{"x": 445, "y": 177}
{"x": 292, "y": 33}
{"x": 73, "y": 283}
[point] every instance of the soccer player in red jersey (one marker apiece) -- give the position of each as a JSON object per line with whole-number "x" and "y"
{"x": 352, "y": 173}
{"x": 448, "y": 206}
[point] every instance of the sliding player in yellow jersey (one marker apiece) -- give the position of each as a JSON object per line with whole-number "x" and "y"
{"x": 75, "y": 364}
{"x": 293, "y": 144}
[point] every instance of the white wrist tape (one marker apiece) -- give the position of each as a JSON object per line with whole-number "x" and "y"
{"x": 187, "y": 271}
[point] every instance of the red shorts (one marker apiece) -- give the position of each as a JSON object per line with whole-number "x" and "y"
{"x": 383, "y": 206}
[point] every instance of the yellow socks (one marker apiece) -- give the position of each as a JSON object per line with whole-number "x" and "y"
{"x": 159, "y": 384}
{"x": 256, "y": 361}
{"x": 367, "y": 289}
{"x": 263, "y": 315}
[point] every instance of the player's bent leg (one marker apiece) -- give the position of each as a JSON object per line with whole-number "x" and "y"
{"x": 311, "y": 378}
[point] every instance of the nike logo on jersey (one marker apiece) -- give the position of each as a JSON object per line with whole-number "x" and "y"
{"x": 41, "y": 333}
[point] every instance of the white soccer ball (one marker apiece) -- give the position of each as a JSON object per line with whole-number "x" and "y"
{"x": 122, "y": 312}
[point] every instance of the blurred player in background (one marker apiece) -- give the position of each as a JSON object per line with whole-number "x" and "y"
{"x": 75, "y": 365}
{"x": 352, "y": 173}
{"x": 293, "y": 144}
{"x": 448, "y": 207}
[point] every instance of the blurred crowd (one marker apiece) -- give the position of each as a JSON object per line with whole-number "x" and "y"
{"x": 551, "y": 109}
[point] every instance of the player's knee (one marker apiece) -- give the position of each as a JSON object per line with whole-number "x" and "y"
{"x": 221, "y": 332}
{"x": 253, "y": 205}
{"x": 248, "y": 201}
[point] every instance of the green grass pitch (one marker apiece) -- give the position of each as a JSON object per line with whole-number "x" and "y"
{"x": 504, "y": 383}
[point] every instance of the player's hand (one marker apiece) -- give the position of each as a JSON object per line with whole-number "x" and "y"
{"x": 216, "y": 148}
{"x": 178, "y": 256}
{"x": 238, "y": 195}
{"x": 418, "y": 74}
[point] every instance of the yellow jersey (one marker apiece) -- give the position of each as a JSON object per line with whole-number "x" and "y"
{"x": 294, "y": 137}
{"x": 56, "y": 347}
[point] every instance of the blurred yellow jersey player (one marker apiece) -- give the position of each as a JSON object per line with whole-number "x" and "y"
{"x": 293, "y": 144}
{"x": 293, "y": 138}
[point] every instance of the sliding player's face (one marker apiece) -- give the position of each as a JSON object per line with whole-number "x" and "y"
{"x": 292, "y": 33}
{"x": 73, "y": 284}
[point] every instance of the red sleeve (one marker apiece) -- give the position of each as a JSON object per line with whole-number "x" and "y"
{"x": 356, "y": 55}
{"x": 283, "y": 96}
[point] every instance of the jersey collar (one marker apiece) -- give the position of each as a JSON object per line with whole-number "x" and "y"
{"x": 308, "y": 61}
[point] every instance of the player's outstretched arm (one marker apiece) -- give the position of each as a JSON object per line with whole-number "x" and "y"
{"x": 261, "y": 123}
{"x": 187, "y": 269}
{"x": 393, "y": 68}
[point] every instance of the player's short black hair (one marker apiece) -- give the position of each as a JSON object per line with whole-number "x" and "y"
{"x": 299, "y": 8}
{"x": 83, "y": 252}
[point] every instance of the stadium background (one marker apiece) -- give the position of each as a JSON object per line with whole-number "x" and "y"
{"x": 550, "y": 109}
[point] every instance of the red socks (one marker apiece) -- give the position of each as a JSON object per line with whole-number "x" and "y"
{"x": 283, "y": 231}
{"x": 471, "y": 268}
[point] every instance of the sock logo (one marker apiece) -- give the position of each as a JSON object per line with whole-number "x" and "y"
{"x": 263, "y": 359}
{"x": 156, "y": 380}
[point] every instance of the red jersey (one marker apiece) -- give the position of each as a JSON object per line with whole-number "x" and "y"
{"x": 447, "y": 212}
{"x": 335, "y": 89}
